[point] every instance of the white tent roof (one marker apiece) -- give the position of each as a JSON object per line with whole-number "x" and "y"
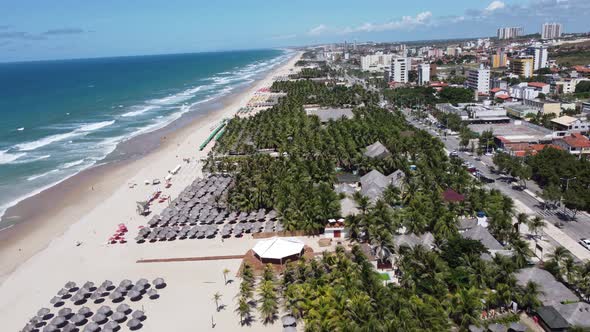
{"x": 278, "y": 248}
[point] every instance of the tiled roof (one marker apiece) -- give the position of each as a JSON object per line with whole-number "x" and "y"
{"x": 577, "y": 141}
{"x": 538, "y": 84}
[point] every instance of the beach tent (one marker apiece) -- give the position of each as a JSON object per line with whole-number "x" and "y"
{"x": 277, "y": 250}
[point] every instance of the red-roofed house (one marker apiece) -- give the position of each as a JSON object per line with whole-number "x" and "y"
{"x": 540, "y": 86}
{"x": 500, "y": 93}
{"x": 576, "y": 144}
{"x": 450, "y": 195}
{"x": 582, "y": 70}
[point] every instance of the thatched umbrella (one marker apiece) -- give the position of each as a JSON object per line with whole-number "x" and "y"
{"x": 133, "y": 295}
{"x": 85, "y": 311}
{"x": 35, "y": 320}
{"x": 105, "y": 310}
{"x": 126, "y": 284}
{"x": 50, "y": 328}
{"x": 78, "y": 319}
{"x": 58, "y": 321}
{"x": 110, "y": 326}
{"x": 152, "y": 294}
{"x": 56, "y": 300}
{"x": 138, "y": 288}
{"x": 118, "y": 317}
{"x": 88, "y": 285}
{"x": 159, "y": 283}
{"x": 28, "y": 328}
{"x": 138, "y": 314}
{"x": 64, "y": 312}
{"x": 62, "y": 292}
{"x": 288, "y": 320}
{"x": 134, "y": 324}
{"x": 71, "y": 286}
{"x": 144, "y": 281}
{"x": 107, "y": 284}
{"x": 43, "y": 312}
{"x": 115, "y": 296}
{"x": 123, "y": 308}
{"x": 69, "y": 327}
{"x": 99, "y": 318}
{"x": 78, "y": 297}
{"x": 91, "y": 327}
{"x": 96, "y": 295}
{"x": 289, "y": 329}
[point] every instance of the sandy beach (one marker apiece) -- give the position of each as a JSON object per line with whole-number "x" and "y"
{"x": 67, "y": 242}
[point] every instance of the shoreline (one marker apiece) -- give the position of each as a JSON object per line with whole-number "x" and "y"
{"x": 44, "y": 218}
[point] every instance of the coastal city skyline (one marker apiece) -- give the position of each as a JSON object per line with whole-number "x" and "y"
{"x": 108, "y": 29}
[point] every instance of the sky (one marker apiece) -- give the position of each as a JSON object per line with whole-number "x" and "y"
{"x": 63, "y": 29}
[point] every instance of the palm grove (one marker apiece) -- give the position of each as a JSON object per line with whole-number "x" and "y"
{"x": 440, "y": 288}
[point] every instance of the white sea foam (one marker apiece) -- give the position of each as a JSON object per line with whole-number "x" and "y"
{"x": 7, "y": 158}
{"x": 30, "y": 160}
{"x": 72, "y": 164}
{"x": 140, "y": 111}
{"x": 38, "y": 176}
{"x": 83, "y": 130}
{"x": 21, "y": 129}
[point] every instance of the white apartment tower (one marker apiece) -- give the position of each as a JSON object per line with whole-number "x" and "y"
{"x": 400, "y": 68}
{"x": 479, "y": 80}
{"x": 551, "y": 31}
{"x": 540, "y": 56}
{"x": 510, "y": 32}
{"x": 423, "y": 73}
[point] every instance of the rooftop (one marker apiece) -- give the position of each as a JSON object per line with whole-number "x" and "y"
{"x": 377, "y": 150}
{"x": 564, "y": 120}
{"x": 538, "y": 84}
{"x": 554, "y": 292}
{"x": 513, "y": 128}
{"x": 483, "y": 235}
{"x": 327, "y": 114}
{"x": 552, "y": 318}
{"x": 577, "y": 314}
{"x": 577, "y": 141}
{"x": 450, "y": 195}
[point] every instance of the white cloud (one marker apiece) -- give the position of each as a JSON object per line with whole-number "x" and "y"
{"x": 495, "y": 5}
{"x": 317, "y": 30}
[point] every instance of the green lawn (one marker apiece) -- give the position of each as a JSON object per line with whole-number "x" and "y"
{"x": 384, "y": 276}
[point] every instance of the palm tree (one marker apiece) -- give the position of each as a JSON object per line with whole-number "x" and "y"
{"x": 243, "y": 309}
{"x": 466, "y": 306}
{"x": 522, "y": 219}
{"x": 558, "y": 255}
{"x": 529, "y": 295}
{"x": 268, "y": 301}
{"x": 535, "y": 225}
{"x": 216, "y": 298}
{"x": 522, "y": 252}
{"x": 226, "y": 271}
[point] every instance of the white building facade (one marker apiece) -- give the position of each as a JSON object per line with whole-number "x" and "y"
{"x": 376, "y": 62}
{"x": 479, "y": 80}
{"x": 509, "y": 32}
{"x": 423, "y": 73}
{"x": 551, "y": 31}
{"x": 540, "y": 56}
{"x": 400, "y": 68}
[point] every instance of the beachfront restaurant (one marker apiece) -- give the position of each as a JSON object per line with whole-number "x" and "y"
{"x": 278, "y": 250}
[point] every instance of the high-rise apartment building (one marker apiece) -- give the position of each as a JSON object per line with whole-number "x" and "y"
{"x": 510, "y": 32}
{"x": 499, "y": 59}
{"x": 376, "y": 62}
{"x": 400, "y": 68}
{"x": 551, "y": 30}
{"x": 540, "y": 56}
{"x": 479, "y": 79}
{"x": 523, "y": 66}
{"x": 423, "y": 73}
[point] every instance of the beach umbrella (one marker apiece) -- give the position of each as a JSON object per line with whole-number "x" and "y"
{"x": 64, "y": 312}
{"x": 110, "y": 326}
{"x": 289, "y": 329}
{"x": 77, "y": 298}
{"x": 85, "y": 311}
{"x": 58, "y": 321}
{"x": 115, "y": 296}
{"x": 28, "y": 328}
{"x": 159, "y": 283}
{"x": 91, "y": 327}
{"x": 62, "y": 292}
{"x": 70, "y": 285}
{"x": 107, "y": 284}
{"x": 69, "y": 327}
{"x": 126, "y": 284}
{"x": 78, "y": 319}
{"x": 50, "y": 328}
{"x": 43, "y": 312}
{"x": 35, "y": 320}
{"x": 288, "y": 320}
{"x": 105, "y": 310}
{"x": 138, "y": 288}
{"x": 138, "y": 314}
{"x": 55, "y": 300}
{"x": 134, "y": 294}
{"x": 123, "y": 308}
{"x": 88, "y": 285}
{"x": 134, "y": 324}
{"x": 99, "y": 318}
{"x": 152, "y": 294}
{"x": 118, "y": 316}
{"x": 96, "y": 295}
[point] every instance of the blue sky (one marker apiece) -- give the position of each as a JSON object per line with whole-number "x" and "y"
{"x": 40, "y": 29}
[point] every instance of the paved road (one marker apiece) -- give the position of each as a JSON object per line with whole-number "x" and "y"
{"x": 569, "y": 232}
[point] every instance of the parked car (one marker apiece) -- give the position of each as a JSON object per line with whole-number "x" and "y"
{"x": 585, "y": 243}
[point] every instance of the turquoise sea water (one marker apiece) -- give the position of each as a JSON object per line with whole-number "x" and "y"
{"x": 60, "y": 117}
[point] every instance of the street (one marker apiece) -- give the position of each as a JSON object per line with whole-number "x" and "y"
{"x": 575, "y": 229}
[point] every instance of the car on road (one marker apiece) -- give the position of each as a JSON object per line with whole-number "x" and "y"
{"x": 585, "y": 243}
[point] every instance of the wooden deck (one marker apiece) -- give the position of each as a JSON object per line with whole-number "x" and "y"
{"x": 189, "y": 259}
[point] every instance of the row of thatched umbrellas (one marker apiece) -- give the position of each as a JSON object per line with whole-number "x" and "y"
{"x": 67, "y": 320}
{"x": 168, "y": 233}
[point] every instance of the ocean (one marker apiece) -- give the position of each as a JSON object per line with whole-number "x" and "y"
{"x": 61, "y": 117}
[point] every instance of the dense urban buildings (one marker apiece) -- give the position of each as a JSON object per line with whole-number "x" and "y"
{"x": 551, "y": 30}
{"x": 499, "y": 59}
{"x": 523, "y": 66}
{"x": 376, "y": 62}
{"x": 510, "y": 32}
